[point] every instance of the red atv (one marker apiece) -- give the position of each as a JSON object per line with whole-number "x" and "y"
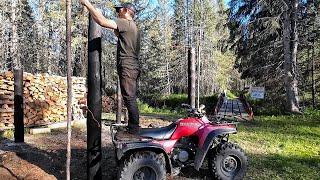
{"x": 186, "y": 142}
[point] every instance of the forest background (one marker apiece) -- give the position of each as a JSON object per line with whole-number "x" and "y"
{"x": 240, "y": 43}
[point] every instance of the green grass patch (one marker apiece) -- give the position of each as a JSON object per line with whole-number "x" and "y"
{"x": 167, "y": 104}
{"x": 282, "y": 147}
{"x": 231, "y": 95}
{"x": 7, "y": 134}
{"x": 149, "y": 110}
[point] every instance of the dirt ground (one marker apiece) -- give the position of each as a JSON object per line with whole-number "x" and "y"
{"x": 43, "y": 156}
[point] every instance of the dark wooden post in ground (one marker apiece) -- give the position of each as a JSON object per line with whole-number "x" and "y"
{"x": 119, "y": 103}
{"x": 94, "y": 102}
{"x": 18, "y": 106}
{"x": 191, "y": 77}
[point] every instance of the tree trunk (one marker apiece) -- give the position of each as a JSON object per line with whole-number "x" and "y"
{"x": 313, "y": 79}
{"x": 290, "y": 42}
{"x": 168, "y": 76}
{"x": 14, "y": 40}
{"x": 50, "y": 47}
{"x": 191, "y": 77}
{"x": 84, "y": 52}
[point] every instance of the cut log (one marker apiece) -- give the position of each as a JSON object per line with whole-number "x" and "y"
{"x": 6, "y": 110}
{"x": 34, "y": 131}
{"x": 6, "y": 102}
{"x": 6, "y": 97}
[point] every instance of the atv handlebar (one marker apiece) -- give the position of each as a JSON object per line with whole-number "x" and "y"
{"x": 199, "y": 112}
{"x": 183, "y": 105}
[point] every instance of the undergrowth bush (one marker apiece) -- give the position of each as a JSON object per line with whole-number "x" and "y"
{"x": 172, "y": 103}
{"x": 273, "y": 104}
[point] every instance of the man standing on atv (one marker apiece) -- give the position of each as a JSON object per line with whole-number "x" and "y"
{"x": 128, "y": 47}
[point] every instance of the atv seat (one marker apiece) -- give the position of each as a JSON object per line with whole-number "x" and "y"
{"x": 162, "y": 133}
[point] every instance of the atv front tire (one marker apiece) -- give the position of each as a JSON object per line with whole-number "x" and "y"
{"x": 144, "y": 165}
{"x": 228, "y": 162}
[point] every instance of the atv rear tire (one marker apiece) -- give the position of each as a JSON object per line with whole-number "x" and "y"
{"x": 143, "y": 166}
{"x": 228, "y": 162}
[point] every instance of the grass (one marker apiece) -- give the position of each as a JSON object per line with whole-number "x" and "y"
{"x": 7, "y": 134}
{"x": 146, "y": 110}
{"x": 278, "y": 147}
{"x": 282, "y": 147}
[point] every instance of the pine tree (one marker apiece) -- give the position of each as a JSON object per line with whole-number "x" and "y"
{"x": 265, "y": 36}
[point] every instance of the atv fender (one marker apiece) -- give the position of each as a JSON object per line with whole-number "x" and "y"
{"x": 125, "y": 150}
{"x": 202, "y": 152}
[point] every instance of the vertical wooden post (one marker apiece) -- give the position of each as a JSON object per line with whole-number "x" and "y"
{"x": 199, "y": 55}
{"x": 94, "y": 102}
{"x": 191, "y": 77}
{"x": 198, "y": 72}
{"x": 69, "y": 85}
{"x": 18, "y": 106}
{"x": 119, "y": 103}
{"x": 18, "y": 80}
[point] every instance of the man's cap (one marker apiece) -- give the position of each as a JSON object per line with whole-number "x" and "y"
{"x": 127, "y": 6}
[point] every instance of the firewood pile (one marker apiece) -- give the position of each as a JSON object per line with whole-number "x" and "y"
{"x": 45, "y": 98}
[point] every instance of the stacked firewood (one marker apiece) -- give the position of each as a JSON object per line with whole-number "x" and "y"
{"x": 45, "y": 98}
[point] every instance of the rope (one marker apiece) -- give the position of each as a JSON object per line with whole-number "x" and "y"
{"x": 86, "y": 107}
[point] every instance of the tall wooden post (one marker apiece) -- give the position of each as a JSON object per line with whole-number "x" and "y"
{"x": 69, "y": 85}
{"x": 119, "y": 103}
{"x": 191, "y": 77}
{"x": 18, "y": 106}
{"x": 18, "y": 80}
{"x": 198, "y": 72}
{"x": 94, "y": 102}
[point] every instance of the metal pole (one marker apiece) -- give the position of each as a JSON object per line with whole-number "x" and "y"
{"x": 69, "y": 82}
{"x": 94, "y": 102}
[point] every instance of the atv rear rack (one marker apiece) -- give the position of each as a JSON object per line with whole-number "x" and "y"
{"x": 114, "y": 128}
